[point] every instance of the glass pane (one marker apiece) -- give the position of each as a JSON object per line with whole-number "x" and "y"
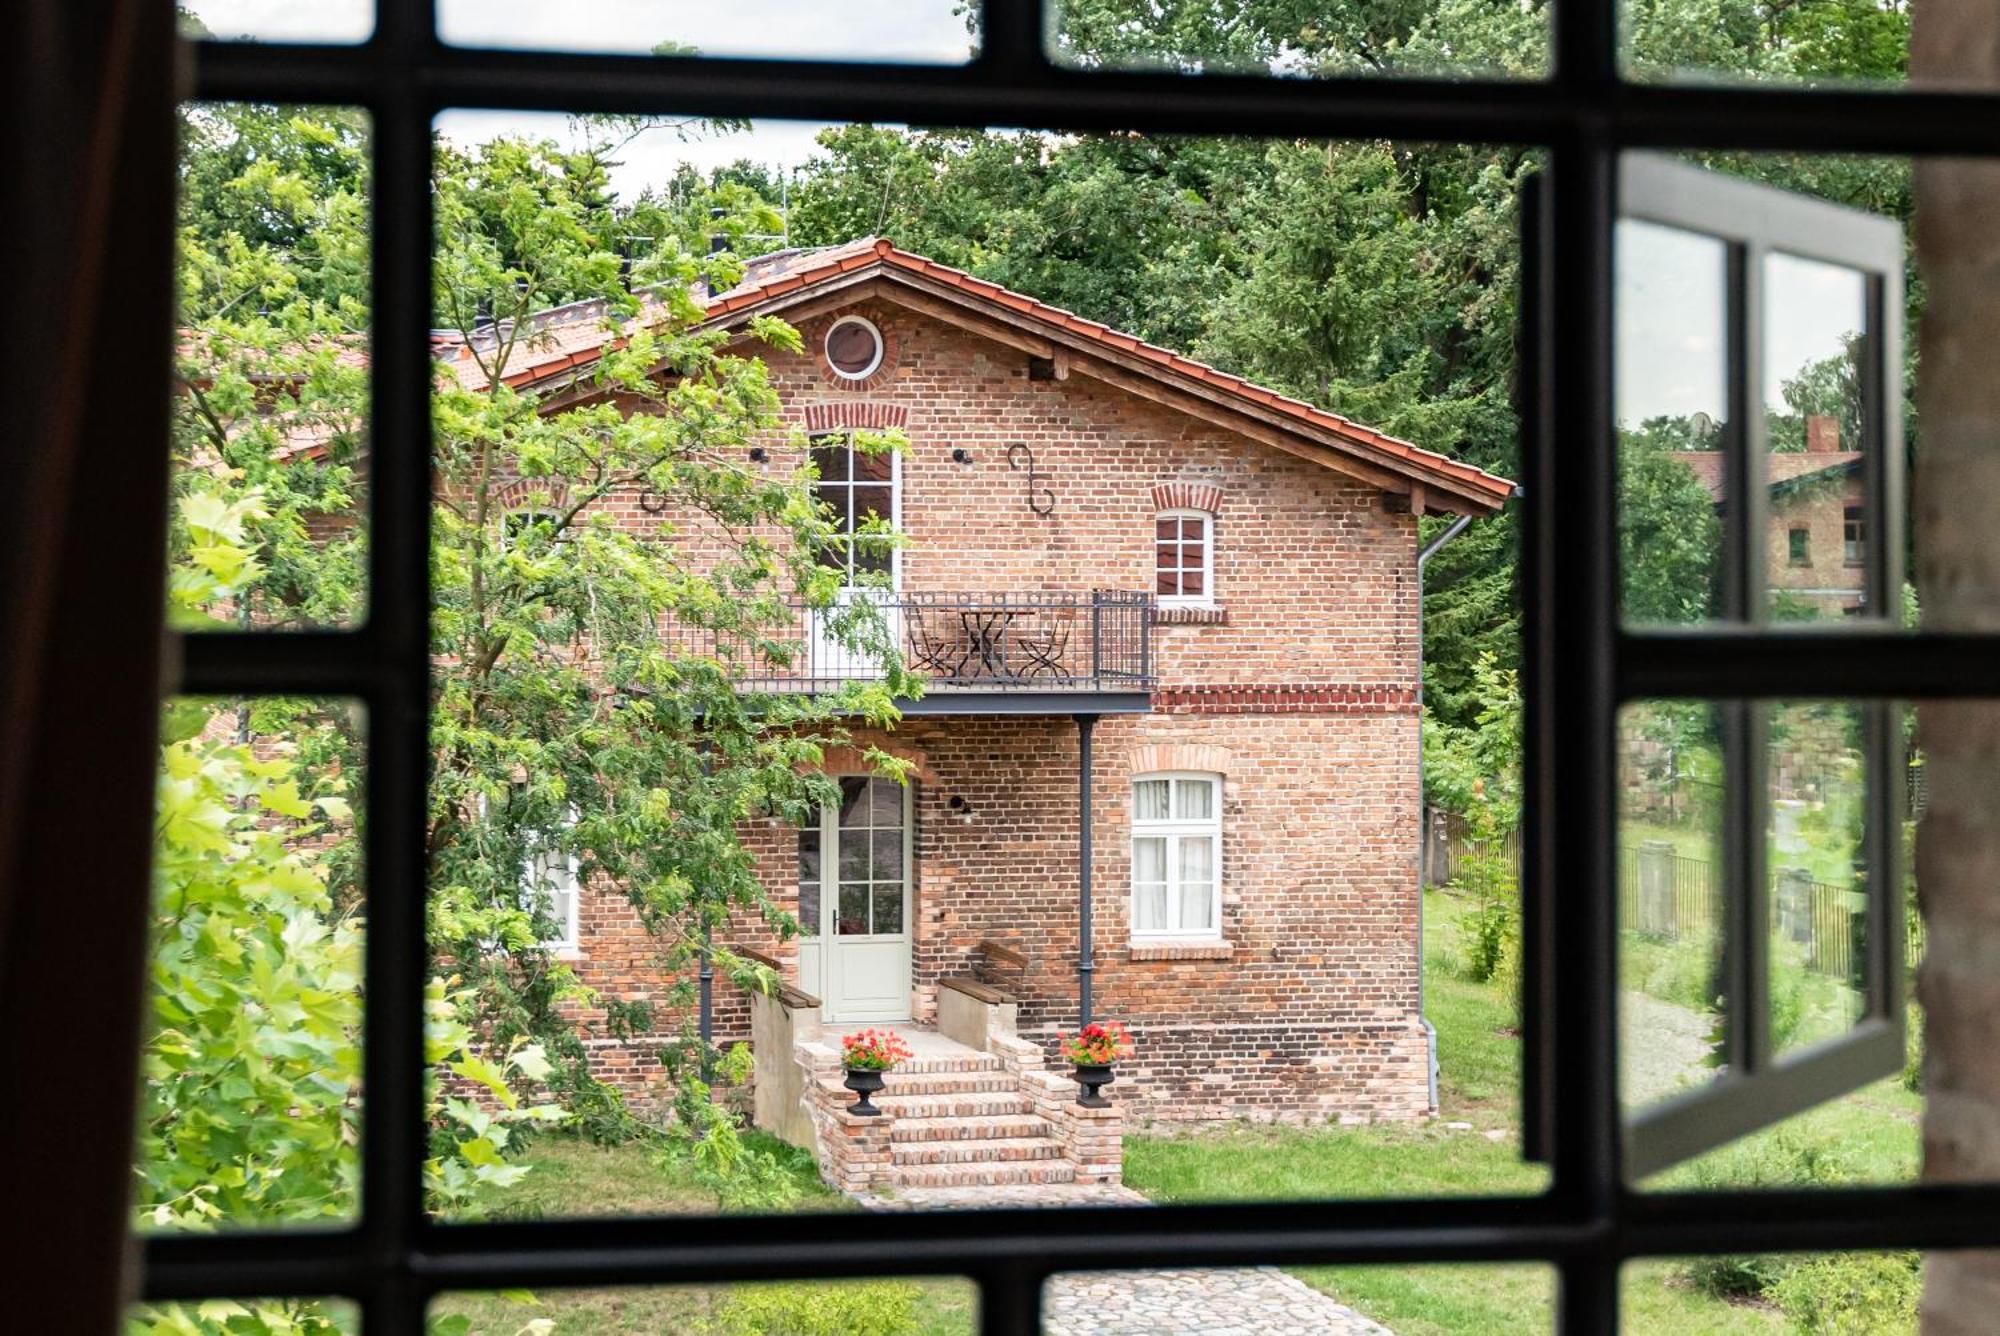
{"x": 926, "y": 32}
{"x": 887, "y": 863}
{"x": 889, "y": 909}
{"x": 809, "y": 854}
{"x": 1149, "y": 858}
{"x": 1166, "y": 531}
{"x": 270, "y": 410}
{"x": 1670, "y": 899}
{"x": 1865, "y": 43}
{"x": 1430, "y": 38}
{"x": 873, "y": 502}
{"x": 1149, "y": 907}
{"x": 1471, "y": 1299}
{"x": 853, "y": 801}
{"x": 1197, "y": 860}
{"x": 308, "y": 1317}
{"x": 1819, "y": 877}
{"x": 1814, "y": 318}
{"x": 1194, "y": 799}
{"x": 1167, "y": 583}
{"x": 831, "y": 461}
{"x": 874, "y": 466}
{"x": 1871, "y": 1293}
{"x": 1671, "y": 369}
{"x": 854, "y": 855}
{"x": 930, "y": 1306}
{"x": 265, "y": 21}
{"x": 853, "y": 921}
{"x": 885, "y": 804}
{"x": 1196, "y": 908}
{"x": 808, "y": 909}
{"x": 1192, "y": 583}
{"x": 250, "y": 1094}
{"x": 1149, "y": 800}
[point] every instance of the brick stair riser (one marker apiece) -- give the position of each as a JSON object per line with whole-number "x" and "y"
{"x": 950, "y": 1083}
{"x": 955, "y": 1106}
{"x": 934, "y": 1066}
{"x": 909, "y": 1154}
{"x": 986, "y": 1175}
{"x": 967, "y": 1129}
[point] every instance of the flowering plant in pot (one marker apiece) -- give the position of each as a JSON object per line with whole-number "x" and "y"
{"x": 866, "y": 1056}
{"x": 1091, "y": 1051}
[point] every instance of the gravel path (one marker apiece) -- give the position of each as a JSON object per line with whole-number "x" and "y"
{"x": 1226, "y": 1301}
{"x": 1237, "y": 1301}
{"x": 1662, "y": 1049}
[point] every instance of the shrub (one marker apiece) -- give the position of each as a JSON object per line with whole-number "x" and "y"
{"x": 873, "y": 1308}
{"x": 1851, "y": 1294}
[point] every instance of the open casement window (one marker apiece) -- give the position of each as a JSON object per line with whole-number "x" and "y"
{"x": 1177, "y": 856}
{"x": 550, "y": 882}
{"x": 1758, "y": 372}
{"x": 1184, "y": 559}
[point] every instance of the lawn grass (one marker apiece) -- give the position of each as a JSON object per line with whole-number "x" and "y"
{"x": 571, "y": 1177}
{"x": 1871, "y": 1135}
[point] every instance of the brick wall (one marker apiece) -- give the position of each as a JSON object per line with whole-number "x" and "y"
{"x": 1298, "y": 690}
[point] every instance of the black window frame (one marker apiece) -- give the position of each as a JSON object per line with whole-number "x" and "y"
{"x": 1578, "y": 665}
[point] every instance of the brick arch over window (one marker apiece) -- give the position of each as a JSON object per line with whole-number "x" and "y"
{"x": 847, "y": 414}
{"x": 546, "y": 493}
{"x": 853, "y": 760}
{"x": 1205, "y": 496}
{"x": 1201, "y": 757}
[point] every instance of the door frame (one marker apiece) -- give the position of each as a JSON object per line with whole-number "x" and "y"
{"x": 826, "y": 940}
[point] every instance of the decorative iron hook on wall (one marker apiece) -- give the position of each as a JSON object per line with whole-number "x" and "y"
{"x": 1040, "y": 499}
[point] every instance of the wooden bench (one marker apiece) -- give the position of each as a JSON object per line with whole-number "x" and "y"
{"x": 991, "y": 995}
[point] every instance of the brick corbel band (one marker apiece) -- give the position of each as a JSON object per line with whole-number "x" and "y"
{"x": 863, "y": 415}
{"x": 1203, "y": 496}
{"x": 1250, "y": 698}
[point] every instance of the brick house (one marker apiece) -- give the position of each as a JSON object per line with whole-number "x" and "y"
{"x": 1167, "y": 767}
{"x": 1816, "y": 520}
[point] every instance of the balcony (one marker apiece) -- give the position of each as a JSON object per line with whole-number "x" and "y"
{"x": 1040, "y": 652}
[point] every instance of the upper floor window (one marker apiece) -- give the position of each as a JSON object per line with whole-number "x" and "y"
{"x": 1177, "y": 856}
{"x": 1184, "y": 558}
{"x": 858, "y": 486}
{"x": 854, "y": 347}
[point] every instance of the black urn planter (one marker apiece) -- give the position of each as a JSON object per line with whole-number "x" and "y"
{"x": 863, "y": 1084}
{"x": 1091, "y": 1078}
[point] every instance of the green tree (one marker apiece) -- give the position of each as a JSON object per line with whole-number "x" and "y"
{"x": 1669, "y": 536}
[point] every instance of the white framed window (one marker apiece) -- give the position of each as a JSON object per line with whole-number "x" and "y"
{"x": 550, "y": 878}
{"x": 1177, "y": 856}
{"x": 854, "y": 347}
{"x": 1184, "y": 559}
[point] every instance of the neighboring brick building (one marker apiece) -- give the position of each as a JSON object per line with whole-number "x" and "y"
{"x": 1815, "y": 521}
{"x": 1250, "y": 697}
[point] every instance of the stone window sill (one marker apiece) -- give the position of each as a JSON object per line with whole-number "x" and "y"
{"x": 1215, "y": 616}
{"x": 1180, "y": 950}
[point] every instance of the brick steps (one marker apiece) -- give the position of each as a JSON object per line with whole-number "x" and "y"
{"x": 998, "y": 1150}
{"x": 988, "y": 1174}
{"x": 947, "y": 1083}
{"x": 998, "y": 1127}
{"x": 974, "y": 1104}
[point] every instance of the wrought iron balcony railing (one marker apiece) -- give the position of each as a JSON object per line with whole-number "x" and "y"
{"x": 1099, "y": 640}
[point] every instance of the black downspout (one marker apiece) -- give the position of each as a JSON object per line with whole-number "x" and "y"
{"x": 1085, "y": 958}
{"x": 707, "y": 1004}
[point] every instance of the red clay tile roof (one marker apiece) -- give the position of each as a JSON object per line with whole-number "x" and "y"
{"x": 1786, "y": 466}
{"x": 567, "y": 344}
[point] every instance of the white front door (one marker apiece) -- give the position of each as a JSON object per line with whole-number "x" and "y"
{"x": 854, "y": 904}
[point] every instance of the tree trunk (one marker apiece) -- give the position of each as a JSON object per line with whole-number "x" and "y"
{"x": 1957, "y": 528}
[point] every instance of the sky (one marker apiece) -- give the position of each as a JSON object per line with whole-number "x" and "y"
{"x": 915, "y": 30}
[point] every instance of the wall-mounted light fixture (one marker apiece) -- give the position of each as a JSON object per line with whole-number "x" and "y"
{"x": 758, "y": 454}
{"x": 960, "y": 455}
{"x": 960, "y": 808}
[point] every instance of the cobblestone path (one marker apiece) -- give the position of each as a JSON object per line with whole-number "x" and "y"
{"x": 1227, "y": 1301}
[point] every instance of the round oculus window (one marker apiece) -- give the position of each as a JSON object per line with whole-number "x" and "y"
{"x": 853, "y": 347}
